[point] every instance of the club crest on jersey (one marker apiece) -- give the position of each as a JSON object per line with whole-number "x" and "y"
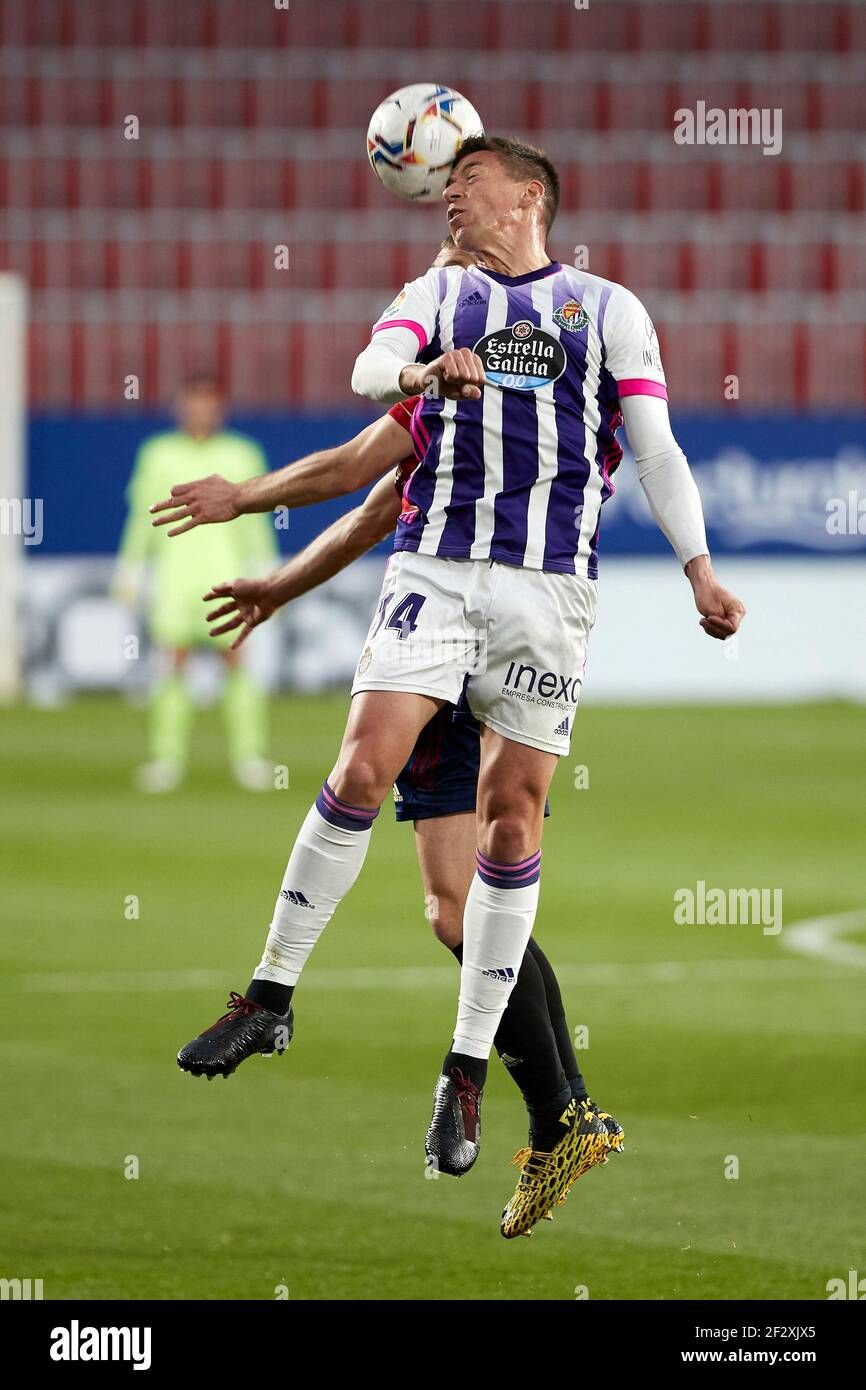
{"x": 571, "y": 316}
{"x": 521, "y": 357}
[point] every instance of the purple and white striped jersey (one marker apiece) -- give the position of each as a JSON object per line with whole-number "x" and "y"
{"x": 521, "y": 474}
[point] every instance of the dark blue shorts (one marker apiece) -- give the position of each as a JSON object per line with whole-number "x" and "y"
{"x": 441, "y": 776}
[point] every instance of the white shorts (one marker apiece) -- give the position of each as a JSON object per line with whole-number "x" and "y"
{"x": 514, "y": 640}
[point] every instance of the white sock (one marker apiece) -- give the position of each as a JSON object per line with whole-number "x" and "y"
{"x": 497, "y": 925}
{"x": 327, "y": 858}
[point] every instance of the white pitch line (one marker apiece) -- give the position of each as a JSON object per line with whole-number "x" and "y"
{"x": 818, "y": 938}
{"x": 415, "y": 977}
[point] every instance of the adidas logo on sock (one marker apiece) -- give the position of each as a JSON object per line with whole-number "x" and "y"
{"x": 506, "y": 975}
{"x": 561, "y": 729}
{"x": 474, "y": 298}
{"x": 297, "y": 898}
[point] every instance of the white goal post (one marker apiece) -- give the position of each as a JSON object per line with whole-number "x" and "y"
{"x": 13, "y": 327}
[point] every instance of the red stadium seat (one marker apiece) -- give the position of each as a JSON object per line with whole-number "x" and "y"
{"x": 147, "y": 263}
{"x": 715, "y": 93}
{"x": 504, "y": 107}
{"x": 82, "y": 264}
{"x": 25, "y": 257}
{"x": 169, "y": 352}
{"x": 254, "y": 183}
{"x": 791, "y": 98}
{"x": 71, "y": 101}
{"x": 669, "y": 28}
{"x": 105, "y": 24}
{"x": 694, "y": 365}
{"x": 536, "y": 28}
{"x": 287, "y": 105}
{"x": 574, "y": 106}
{"x": 608, "y": 187}
{"x": 38, "y": 182}
{"x": 168, "y": 24}
{"x": 50, "y": 365}
{"x": 809, "y": 27}
{"x": 328, "y": 358}
{"x": 19, "y": 101}
{"x": 797, "y": 267}
{"x": 641, "y": 106}
{"x": 238, "y": 24}
{"x": 156, "y": 101}
{"x": 749, "y": 183}
{"x": 842, "y": 105}
{"x": 651, "y": 265}
{"x": 721, "y": 265}
{"x": 40, "y": 23}
{"x": 110, "y": 353}
{"x": 223, "y": 265}
{"x": 836, "y": 366}
{"x": 850, "y": 262}
{"x": 348, "y": 103}
{"x": 679, "y": 185}
{"x": 474, "y": 24}
{"x": 766, "y": 366}
{"x": 191, "y": 182}
{"x": 266, "y": 365}
{"x": 822, "y": 187}
{"x": 214, "y": 101}
{"x": 390, "y": 24}
{"x": 307, "y": 269}
{"x": 363, "y": 265}
{"x": 739, "y": 28}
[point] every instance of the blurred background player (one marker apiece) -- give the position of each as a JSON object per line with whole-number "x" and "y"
{"x": 174, "y": 579}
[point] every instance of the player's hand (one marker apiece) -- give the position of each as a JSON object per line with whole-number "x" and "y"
{"x": 458, "y": 375}
{"x": 722, "y": 611}
{"x": 198, "y": 504}
{"x": 250, "y": 603}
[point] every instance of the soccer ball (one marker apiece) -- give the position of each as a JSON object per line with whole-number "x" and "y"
{"x": 414, "y": 136}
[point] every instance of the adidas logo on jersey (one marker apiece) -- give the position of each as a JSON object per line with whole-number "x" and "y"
{"x": 297, "y": 898}
{"x": 474, "y": 298}
{"x": 561, "y": 729}
{"x": 504, "y": 976}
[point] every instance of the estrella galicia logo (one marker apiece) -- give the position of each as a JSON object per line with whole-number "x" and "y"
{"x": 521, "y": 357}
{"x": 571, "y": 316}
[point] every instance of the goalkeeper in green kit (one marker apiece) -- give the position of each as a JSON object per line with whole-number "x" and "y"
{"x": 180, "y": 574}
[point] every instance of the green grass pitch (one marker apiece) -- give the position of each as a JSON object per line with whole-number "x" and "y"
{"x": 708, "y": 1042}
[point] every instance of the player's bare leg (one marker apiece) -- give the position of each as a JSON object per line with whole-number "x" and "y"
{"x": 327, "y": 858}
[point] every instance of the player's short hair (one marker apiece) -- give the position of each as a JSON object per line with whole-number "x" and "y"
{"x": 203, "y": 381}
{"x": 522, "y": 162}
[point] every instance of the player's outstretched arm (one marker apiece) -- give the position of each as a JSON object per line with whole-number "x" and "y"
{"x": 676, "y": 505}
{"x": 250, "y": 602}
{"x": 315, "y": 478}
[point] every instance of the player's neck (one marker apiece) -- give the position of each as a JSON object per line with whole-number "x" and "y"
{"x": 507, "y": 258}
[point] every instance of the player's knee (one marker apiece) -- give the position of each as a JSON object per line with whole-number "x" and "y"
{"x": 360, "y": 781}
{"x": 445, "y": 915}
{"x": 509, "y": 834}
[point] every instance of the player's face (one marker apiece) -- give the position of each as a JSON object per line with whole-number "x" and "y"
{"x": 481, "y": 198}
{"x": 200, "y": 411}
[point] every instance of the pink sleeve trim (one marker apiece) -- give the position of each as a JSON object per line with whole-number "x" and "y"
{"x": 405, "y": 323}
{"x": 641, "y": 386}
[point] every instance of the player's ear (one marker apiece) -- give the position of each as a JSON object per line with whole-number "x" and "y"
{"x": 533, "y": 194}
